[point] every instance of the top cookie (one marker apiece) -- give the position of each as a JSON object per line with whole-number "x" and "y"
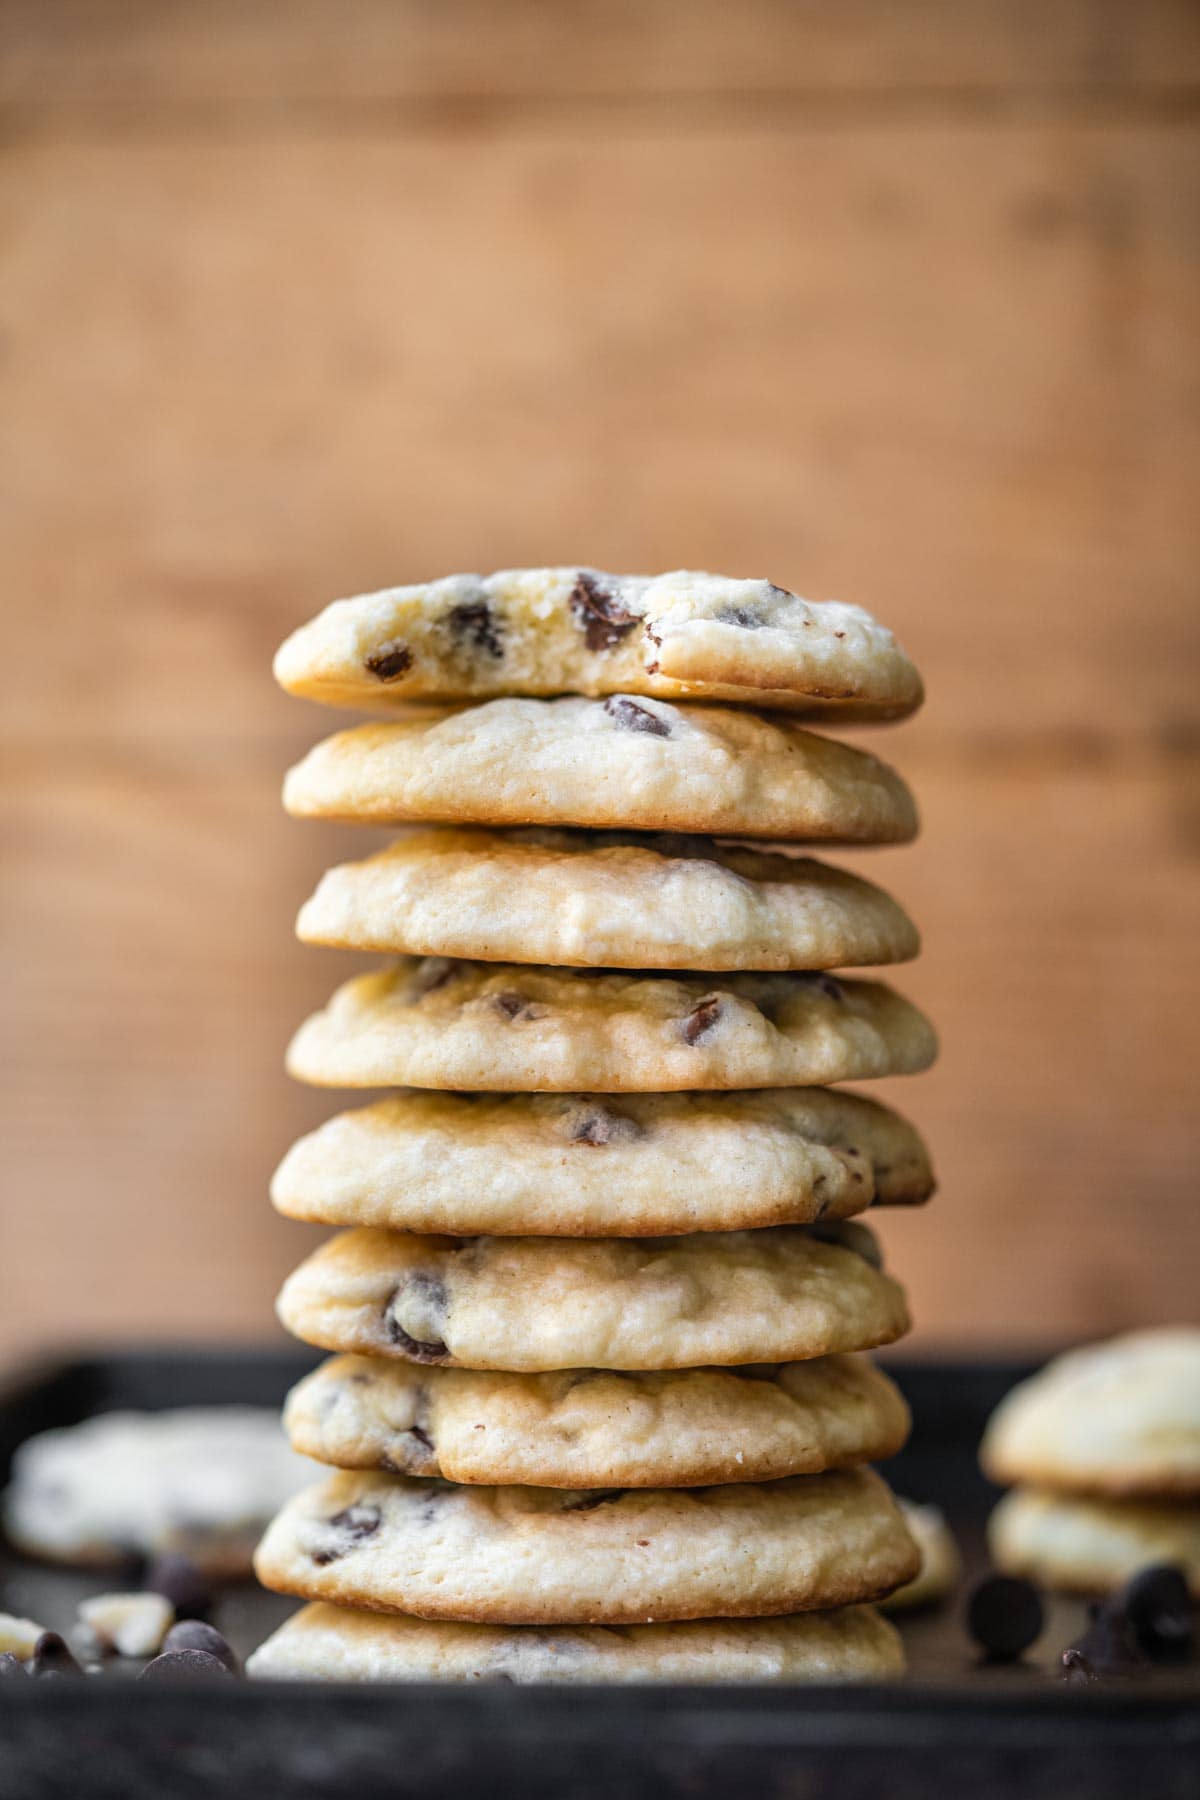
{"x": 1120, "y": 1418}
{"x": 572, "y": 630}
{"x": 638, "y": 765}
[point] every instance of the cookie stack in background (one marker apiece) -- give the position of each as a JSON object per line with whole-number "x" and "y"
{"x": 598, "y": 1405}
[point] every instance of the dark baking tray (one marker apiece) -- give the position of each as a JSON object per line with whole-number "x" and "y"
{"x": 951, "y": 1726}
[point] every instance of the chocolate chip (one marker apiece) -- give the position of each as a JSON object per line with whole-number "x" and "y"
{"x": 430, "y": 974}
{"x": 194, "y": 1634}
{"x": 740, "y": 615}
{"x": 825, "y": 984}
{"x": 632, "y": 717}
{"x": 475, "y": 623}
{"x": 601, "y": 1125}
{"x": 510, "y": 1004}
{"x": 390, "y": 660}
{"x": 1004, "y": 1616}
{"x": 778, "y": 593}
{"x": 185, "y": 1665}
{"x": 589, "y": 1502}
{"x": 702, "y": 1019}
{"x": 1158, "y": 1605}
{"x": 597, "y": 609}
{"x": 426, "y": 1290}
{"x": 1107, "y": 1650}
{"x": 10, "y": 1664}
{"x": 178, "y": 1580}
{"x": 350, "y": 1527}
{"x": 52, "y": 1657}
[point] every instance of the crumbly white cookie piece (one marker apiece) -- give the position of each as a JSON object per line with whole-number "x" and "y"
{"x": 1119, "y": 1418}
{"x": 532, "y": 1556}
{"x": 571, "y": 629}
{"x": 1086, "y": 1545}
{"x": 632, "y": 765}
{"x": 585, "y": 1428}
{"x": 941, "y": 1564}
{"x": 435, "y": 1023}
{"x": 605, "y": 899}
{"x": 528, "y": 1304}
{"x": 585, "y": 1165}
{"x": 333, "y": 1643}
{"x": 200, "y": 1480}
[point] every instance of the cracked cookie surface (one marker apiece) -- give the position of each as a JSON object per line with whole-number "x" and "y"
{"x": 528, "y": 1556}
{"x": 438, "y": 1023}
{"x": 579, "y": 630}
{"x": 632, "y": 765}
{"x": 601, "y": 899}
{"x": 528, "y": 1304}
{"x": 592, "y": 1428}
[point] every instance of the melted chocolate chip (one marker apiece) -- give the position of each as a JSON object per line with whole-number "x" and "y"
{"x": 510, "y": 1004}
{"x": 701, "y": 1020}
{"x": 194, "y": 1634}
{"x": 1158, "y": 1605}
{"x": 740, "y": 615}
{"x": 52, "y": 1657}
{"x": 475, "y": 623}
{"x": 390, "y": 661}
{"x": 185, "y": 1665}
{"x": 428, "y": 1291}
{"x": 178, "y": 1580}
{"x": 1004, "y": 1616}
{"x": 601, "y": 1125}
{"x": 589, "y": 1502}
{"x": 632, "y": 717}
{"x": 598, "y": 611}
{"x": 351, "y": 1525}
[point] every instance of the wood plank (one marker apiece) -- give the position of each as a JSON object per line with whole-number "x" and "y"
{"x": 171, "y": 54}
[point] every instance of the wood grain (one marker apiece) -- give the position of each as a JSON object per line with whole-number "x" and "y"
{"x": 283, "y": 317}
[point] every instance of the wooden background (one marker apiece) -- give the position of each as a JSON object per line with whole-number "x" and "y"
{"x": 891, "y": 301}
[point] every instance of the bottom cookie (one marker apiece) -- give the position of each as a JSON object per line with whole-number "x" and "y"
{"x": 331, "y": 1643}
{"x": 1088, "y": 1546}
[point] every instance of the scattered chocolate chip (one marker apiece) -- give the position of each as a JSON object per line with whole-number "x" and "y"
{"x": 475, "y": 623}
{"x": 178, "y": 1580}
{"x": 589, "y": 1502}
{"x": 52, "y": 1657}
{"x": 601, "y": 1125}
{"x": 194, "y": 1634}
{"x": 428, "y": 1291}
{"x": 1004, "y": 1616}
{"x": 632, "y": 717}
{"x": 10, "y": 1664}
{"x": 740, "y": 615}
{"x": 1107, "y": 1650}
{"x": 1158, "y": 1605}
{"x": 185, "y": 1665}
{"x": 389, "y": 661}
{"x": 599, "y": 612}
{"x": 702, "y": 1019}
{"x": 825, "y": 984}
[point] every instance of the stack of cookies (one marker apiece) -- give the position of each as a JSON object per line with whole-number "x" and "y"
{"x": 598, "y": 1405}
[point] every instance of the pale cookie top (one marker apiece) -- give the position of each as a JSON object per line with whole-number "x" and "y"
{"x": 433, "y": 1023}
{"x": 575, "y": 630}
{"x": 1088, "y": 1545}
{"x": 637, "y": 765}
{"x": 587, "y": 1428}
{"x": 582, "y": 1165}
{"x": 1120, "y": 1418}
{"x": 779, "y": 1295}
{"x": 203, "y": 1480}
{"x": 333, "y": 1643}
{"x": 605, "y": 900}
{"x": 528, "y": 1555}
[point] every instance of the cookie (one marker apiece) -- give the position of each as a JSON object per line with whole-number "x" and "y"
{"x": 202, "y": 1481}
{"x": 332, "y": 1643}
{"x": 528, "y": 1304}
{"x": 553, "y": 631}
{"x": 638, "y": 765}
{"x": 574, "y": 1165}
{"x": 1119, "y": 1418}
{"x": 533, "y": 1556}
{"x": 588, "y": 1428}
{"x": 434, "y": 1023}
{"x": 941, "y": 1565}
{"x": 605, "y": 900}
{"x": 1085, "y": 1545}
